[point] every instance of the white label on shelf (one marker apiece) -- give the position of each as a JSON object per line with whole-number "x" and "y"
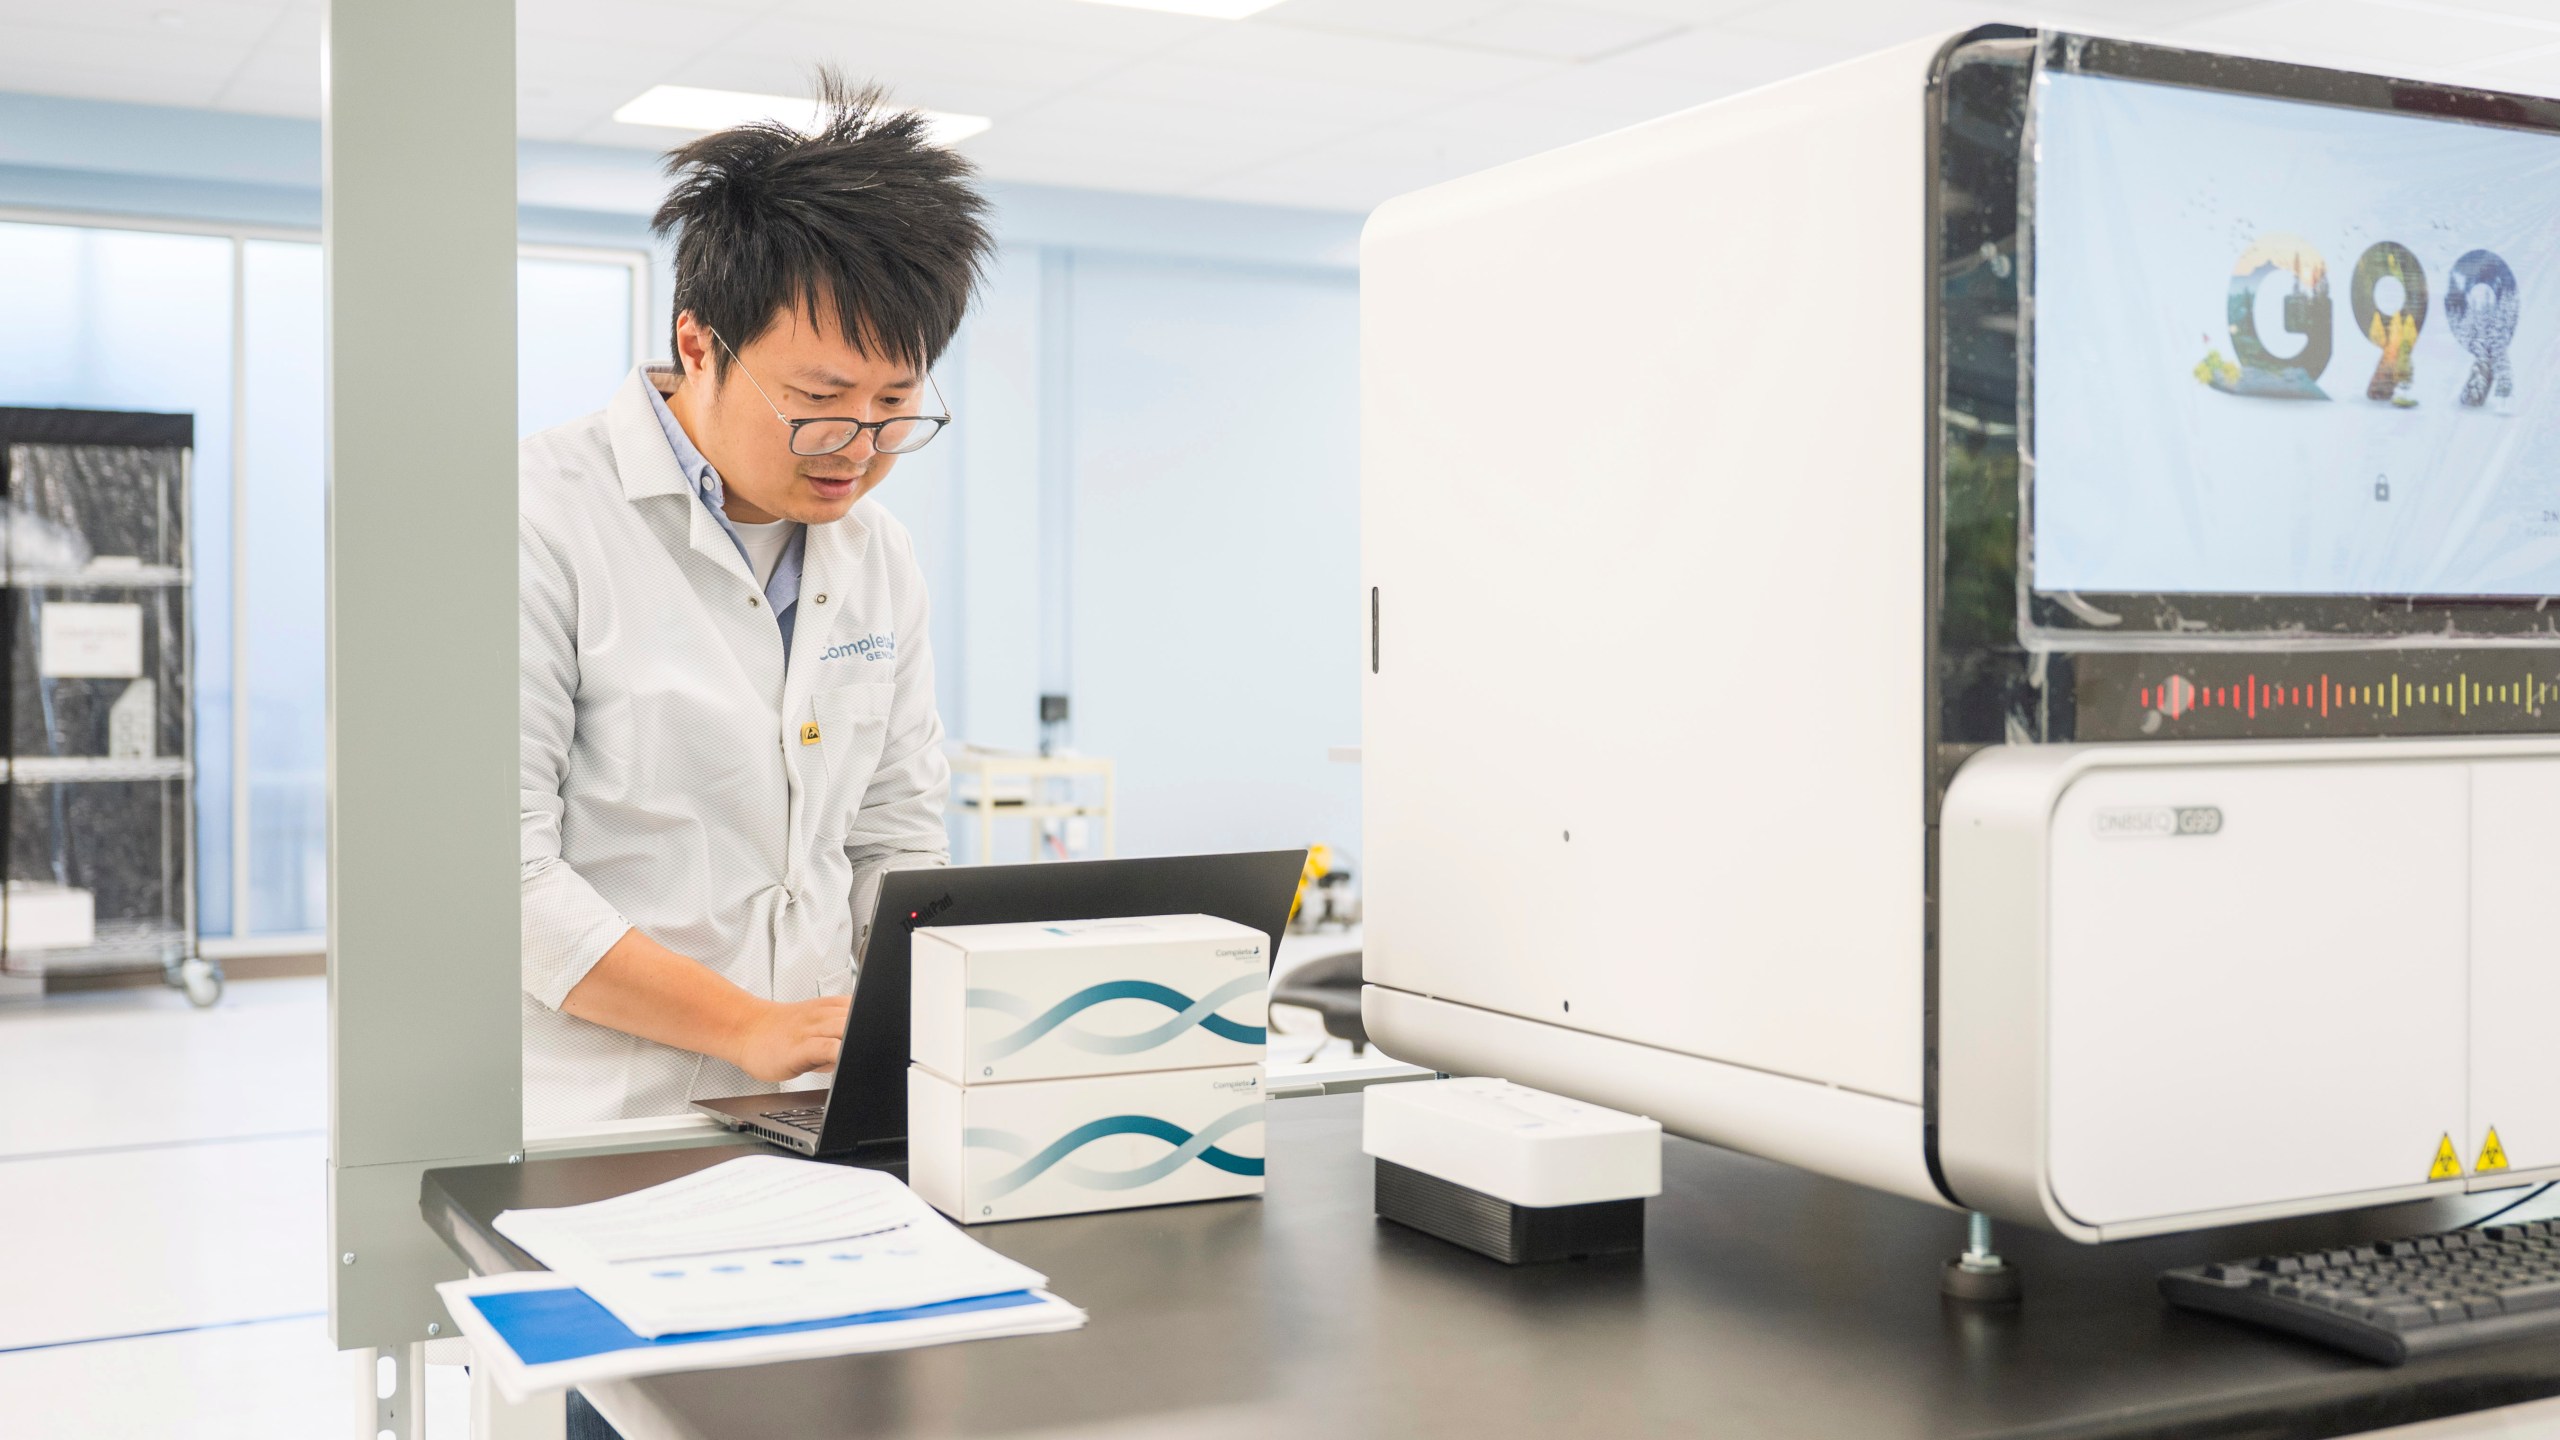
{"x": 91, "y": 642}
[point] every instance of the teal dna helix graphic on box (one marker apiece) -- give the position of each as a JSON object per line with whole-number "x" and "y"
{"x": 1187, "y": 1147}
{"x": 1187, "y": 1013}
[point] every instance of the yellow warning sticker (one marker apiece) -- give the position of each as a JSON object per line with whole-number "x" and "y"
{"x": 2493, "y": 1156}
{"x": 2448, "y": 1164}
{"x": 809, "y": 733}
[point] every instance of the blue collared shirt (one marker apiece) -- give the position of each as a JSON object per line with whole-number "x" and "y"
{"x": 782, "y": 592}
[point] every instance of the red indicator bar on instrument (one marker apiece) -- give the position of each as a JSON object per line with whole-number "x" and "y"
{"x": 2393, "y": 694}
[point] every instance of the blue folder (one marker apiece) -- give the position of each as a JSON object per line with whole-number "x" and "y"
{"x": 546, "y": 1326}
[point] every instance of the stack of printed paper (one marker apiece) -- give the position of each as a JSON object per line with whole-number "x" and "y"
{"x": 758, "y": 1259}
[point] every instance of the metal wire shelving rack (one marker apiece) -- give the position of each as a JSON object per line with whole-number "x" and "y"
{"x": 98, "y": 782}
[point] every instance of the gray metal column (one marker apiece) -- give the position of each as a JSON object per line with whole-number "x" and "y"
{"x": 419, "y": 231}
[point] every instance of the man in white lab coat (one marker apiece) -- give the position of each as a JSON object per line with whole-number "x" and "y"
{"x": 727, "y": 684}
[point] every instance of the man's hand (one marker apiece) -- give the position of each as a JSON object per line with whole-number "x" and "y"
{"x": 643, "y": 988}
{"x": 787, "y": 1038}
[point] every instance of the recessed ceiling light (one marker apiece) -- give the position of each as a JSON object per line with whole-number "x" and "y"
{"x": 1208, "y": 9}
{"x": 689, "y": 107}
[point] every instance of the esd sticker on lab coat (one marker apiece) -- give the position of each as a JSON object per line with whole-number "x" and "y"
{"x": 90, "y": 642}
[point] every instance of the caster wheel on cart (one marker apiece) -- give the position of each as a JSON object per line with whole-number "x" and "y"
{"x": 201, "y": 981}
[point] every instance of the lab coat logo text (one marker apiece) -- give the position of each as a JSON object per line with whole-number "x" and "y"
{"x": 869, "y": 647}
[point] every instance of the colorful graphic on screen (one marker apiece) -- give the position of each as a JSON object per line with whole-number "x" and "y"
{"x": 2213, "y": 415}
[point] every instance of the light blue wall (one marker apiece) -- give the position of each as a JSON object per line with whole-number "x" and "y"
{"x": 1152, "y": 507}
{"x": 999, "y": 597}
{"x": 1216, "y": 495}
{"x": 1149, "y": 500}
{"x": 284, "y": 601}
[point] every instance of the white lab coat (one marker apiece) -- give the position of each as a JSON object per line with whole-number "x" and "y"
{"x": 668, "y": 779}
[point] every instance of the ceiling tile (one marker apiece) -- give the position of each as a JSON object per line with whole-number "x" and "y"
{"x": 1445, "y": 152}
{"x": 36, "y": 74}
{"x": 1521, "y": 120}
{"x": 620, "y": 64}
{"x": 34, "y": 45}
{"x": 2120, "y": 17}
{"x": 1683, "y": 12}
{"x": 1182, "y": 84}
{"x": 1412, "y": 19}
{"x": 201, "y": 20}
{"x": 1113, "y": 29}
{"x": 1747, "y": 59}
{"x": 292, "y": 102}
{"x": 2535, "y": 72}
{"x": 283, "y": 74}
{"x": 1029, "y": 155}
{"x": 1558, "y": 32}
{"x": 678, "y": 22}
{"x": 294, "y": 44}
{"x": 1102, "y": 122}
{"x": 888, "y": 52}
{"x": 1861, "y": 25}
{"x": 1613, "y": 87}
{"x": 2544, "y": 13}
{"x": 1359, "y": 59}
{"x": 2390, "y": 39}
{"x": 1022, "y": 149}
{"x": 1338, "y": 179}
{"x": 909, "y": 85}
{"x": 1330, "y": 103}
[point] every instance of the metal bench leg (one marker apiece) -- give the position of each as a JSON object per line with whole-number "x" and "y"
{"x": 387, "y": 1392}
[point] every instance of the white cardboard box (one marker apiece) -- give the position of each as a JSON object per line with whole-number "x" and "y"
{"x": 35, "y": 915}
{"x": 1063, "y": 1147}
{"x": 1088, "y": 997}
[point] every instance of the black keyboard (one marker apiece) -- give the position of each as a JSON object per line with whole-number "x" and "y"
{"x": 804, "y": 1118}
{"x": 2398, "y": 1299}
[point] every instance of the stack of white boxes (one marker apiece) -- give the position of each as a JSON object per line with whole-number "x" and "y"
{"x": 1086, "y": 1065}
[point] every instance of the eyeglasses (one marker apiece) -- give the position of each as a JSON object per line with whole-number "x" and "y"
{"x": 827, "y": 434}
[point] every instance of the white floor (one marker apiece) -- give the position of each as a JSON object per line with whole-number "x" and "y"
{"x": 161, "y": 1229}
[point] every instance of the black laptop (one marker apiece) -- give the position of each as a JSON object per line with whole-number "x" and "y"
{"x": 866, "y": 1108}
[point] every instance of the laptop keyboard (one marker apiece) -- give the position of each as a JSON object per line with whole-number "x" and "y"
{"x": 805, "y": 1117}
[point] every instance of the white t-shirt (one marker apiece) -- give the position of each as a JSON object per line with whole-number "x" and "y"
{"x": 764, "y": 545}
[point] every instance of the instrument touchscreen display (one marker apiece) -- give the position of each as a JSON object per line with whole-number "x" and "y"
{"x": 2290, "y": 349}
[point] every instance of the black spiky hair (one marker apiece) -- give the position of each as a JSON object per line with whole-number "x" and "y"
{"x": 862, "y": 216}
